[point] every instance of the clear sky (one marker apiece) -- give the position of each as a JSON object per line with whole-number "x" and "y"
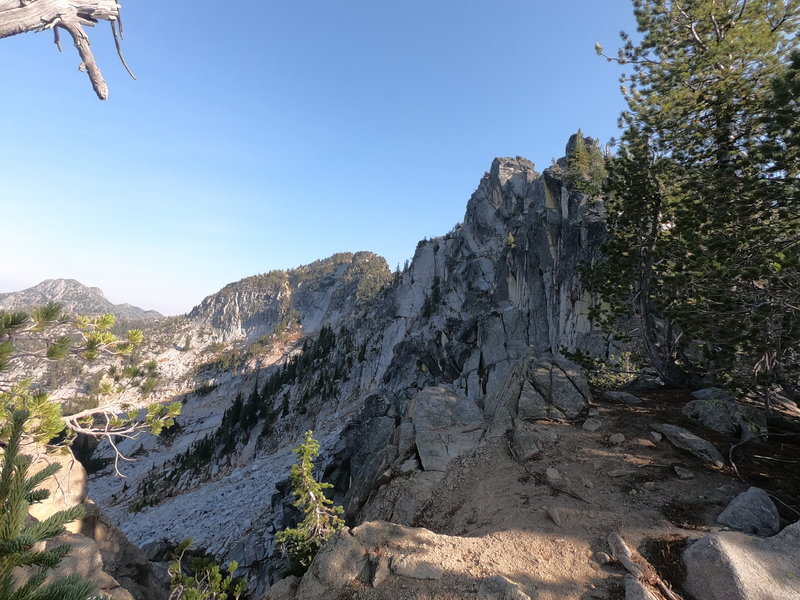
{"x": 281, "y": 133}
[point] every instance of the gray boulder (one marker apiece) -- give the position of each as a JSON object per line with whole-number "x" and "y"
{"x": 724, "y": 415}
{"x": 751, "y": 512}
{"x": 446, "y": 425}
{"x": 342, "y": 560}
{"x": 540, "y": 387}
{"x": 686, "y": 440}
{"x": 635, "y": 590}
{"x": 734, "y": 566}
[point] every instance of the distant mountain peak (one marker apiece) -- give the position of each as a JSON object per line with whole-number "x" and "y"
{"x": 75, "y": 298}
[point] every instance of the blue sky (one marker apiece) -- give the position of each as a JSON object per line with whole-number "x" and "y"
{"x": 297, "y": 130}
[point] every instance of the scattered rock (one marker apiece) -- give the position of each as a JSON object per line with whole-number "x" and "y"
{"x": 616, "y": 438}
{"x": 657, "y": 437}
{"x": 635, "y": 590}
{"x": 649, "y": 485}
{"x": 751, "y": 512}
{"x": 410, "y": 565}
{"x": 683, "y": 473}
{"x": 712, "y": 393}
{"x": 729, "y": 565}
{"x": 284, "y": 589}
{"x": 603, "y": 558}
{"x": 619, "y": 473}
{"x": 592, "y": 424}
{"x": 686, "y": 440}
{"x": 722, "y": 414}
{"x": 382, "y": 571}
{"x": 340, "y": 561}
{"x": 553, "y": 474}
{"x": 593, "y": 412}
{"x": 500, "y": 588}
{"x": 623, "y": 397}
{"x": 555, "y": 516}
{"x": 526, "y": 440}
{"x": 409, "y": 466}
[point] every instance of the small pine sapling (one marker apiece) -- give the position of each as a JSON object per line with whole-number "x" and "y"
{"x": 321, "y": 519}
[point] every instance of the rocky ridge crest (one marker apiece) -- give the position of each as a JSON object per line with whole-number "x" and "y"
{"x": 75, "y": 298}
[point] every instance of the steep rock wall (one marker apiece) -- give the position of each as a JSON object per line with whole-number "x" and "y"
{"x": 499, "y": 288}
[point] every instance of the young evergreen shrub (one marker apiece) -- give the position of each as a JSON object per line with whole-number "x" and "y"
{"x": 201, "y": 578}
{"x": 18, "y": 536}
{"x": 321, "y": 518}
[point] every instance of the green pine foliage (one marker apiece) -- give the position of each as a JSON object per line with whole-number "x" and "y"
{"x": 321, "y": 519}
{"x": 702, "y": 216}
{"x": 48, "y": 335}
{"x": 18, "y": 535}
{"x": 200, "y": 578}
{"x": 586, "y": 166}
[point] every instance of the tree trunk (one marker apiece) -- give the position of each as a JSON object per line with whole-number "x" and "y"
{"x": 23, "y": 16}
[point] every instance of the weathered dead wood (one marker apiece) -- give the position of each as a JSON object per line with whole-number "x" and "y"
{"x": 638, "y": 567}
{"x": 23, "y": 16}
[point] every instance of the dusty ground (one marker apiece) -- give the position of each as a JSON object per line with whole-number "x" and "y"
{"x": 505, "y": 521}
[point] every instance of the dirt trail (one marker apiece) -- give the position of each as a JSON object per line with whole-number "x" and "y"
{"x": 504, "y": 522}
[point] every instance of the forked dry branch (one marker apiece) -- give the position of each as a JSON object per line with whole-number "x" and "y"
{"x": 23, "y": 16}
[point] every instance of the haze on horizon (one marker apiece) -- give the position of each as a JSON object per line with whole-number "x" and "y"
{"x": 307, "y": 130}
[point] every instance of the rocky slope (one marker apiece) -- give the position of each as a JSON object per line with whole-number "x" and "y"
{"x": 75, "y": 298}
{"x": 501, "y": 287}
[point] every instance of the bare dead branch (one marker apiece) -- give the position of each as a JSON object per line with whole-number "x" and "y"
{"x": 119, "y": 48}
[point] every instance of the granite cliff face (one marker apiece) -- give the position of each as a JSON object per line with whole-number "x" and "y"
{"x": 499, "y": 291}
{"x": 75, "y": 298}
{"x": 323, "y": 292}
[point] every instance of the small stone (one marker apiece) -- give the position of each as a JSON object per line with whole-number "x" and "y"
{"x": 683, "y": 473}
{"x": 500, "y": 588}
{"x": 588, "y": 484}
{"x": 593, "y": 412}
{"x": 644, "y": 443}
{"x": 592, "y": 424}
{"x": 415, "y": 567}
{"x": 603, "y": 558}
{"x": 409, "y": 466}
{"x": 382, "y": 571}
{"x": 649, "y": 485}
{"x": 555, "y": 516}
{"x": 553, "y": 474}
{"x": 623, "y": 397}
{"x": 618, "y": 473}
{"x": 616, "y": 438}
{"x": 657, "y": 437}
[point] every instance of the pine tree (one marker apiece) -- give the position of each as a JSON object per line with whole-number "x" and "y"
{"x": 320, "y": 518}
{"x": 201, "y": 578}
{"x": 18, "y": 536}
{"x": 696, "y": 242}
